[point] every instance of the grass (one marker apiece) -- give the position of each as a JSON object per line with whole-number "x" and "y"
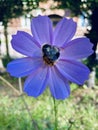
{"x": 78, "y": 112}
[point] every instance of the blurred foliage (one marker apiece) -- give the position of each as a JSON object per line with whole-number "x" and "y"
{"x": 6, "y": 60}
{"x": 12, "y": 9}
{"x": 78, "y": 7}
{"x": 15, "y": 8}
{"x": 78, "y": 112}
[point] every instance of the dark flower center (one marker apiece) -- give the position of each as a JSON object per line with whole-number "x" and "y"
{"x": 50, "y": 54}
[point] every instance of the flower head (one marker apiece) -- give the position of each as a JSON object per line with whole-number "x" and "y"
{"x": 51, "y": 59}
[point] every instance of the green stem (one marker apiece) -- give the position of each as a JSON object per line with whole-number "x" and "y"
{"x": 55, "y": 114}
{"x": 69, "y": 128}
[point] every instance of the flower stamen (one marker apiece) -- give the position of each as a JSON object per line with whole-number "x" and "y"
{"x": 50, "y": 54}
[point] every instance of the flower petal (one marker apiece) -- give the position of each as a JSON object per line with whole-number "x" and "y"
{"x": 36, "y": 82}
{"x": 41, "y": 27}
{"x": 73, "y": 70}
{"x": 64, "y": 31}
{"x": 24, "y": 66}
{"x": 77, "y": 49}
{"x": 25, "y": 44}
{"x": 59, "y": 86}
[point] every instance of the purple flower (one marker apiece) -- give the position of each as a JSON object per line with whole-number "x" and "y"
{"x": 52, "y": 57}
